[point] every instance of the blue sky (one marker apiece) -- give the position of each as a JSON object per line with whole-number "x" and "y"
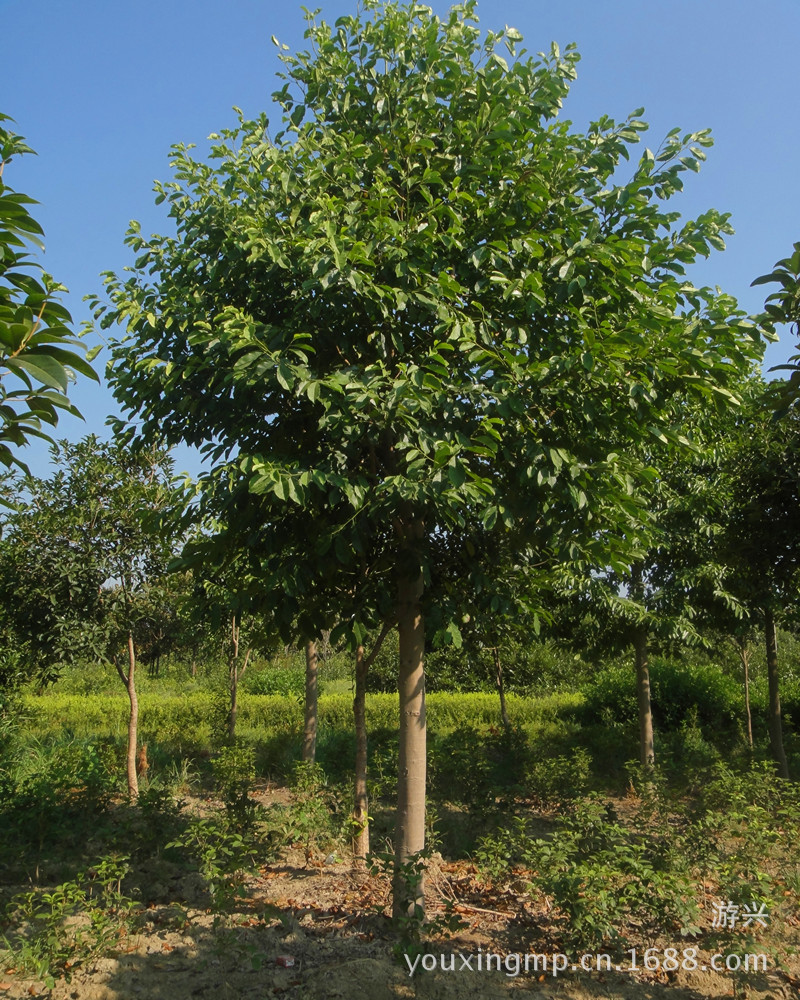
{"x": 102, "y": 89}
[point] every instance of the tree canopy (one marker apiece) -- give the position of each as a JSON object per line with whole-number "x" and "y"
{"x": 83, "y": 552}
{"x": 424, "y": 307}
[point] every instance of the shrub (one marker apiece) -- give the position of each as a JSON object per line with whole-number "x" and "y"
{"x": 234, "y": 771}
{"x": 50, "y": 933}
{"x": 64, "y": 772}
{"x": 603, "y": 878}
{"x": 678, "y": 691}
{"x": 286, "y": 681}
{"x": 557, "y": 779}
{"x": 477, "y": 765}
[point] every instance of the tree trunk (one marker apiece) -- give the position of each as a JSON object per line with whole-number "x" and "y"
{"x": 410, "y": 824}
{"x": 133, "y": 722}
{"x": 325, "y": 651}
{"x": 310, "y": 727}
{"x": 744, "y": 656}
{"x": 498, "y": 676}
{"x": 233, "y": 680}
{"x": 361, "y": 804}
{"x": 775, "y": 725}
{"x": 646, "y": 745}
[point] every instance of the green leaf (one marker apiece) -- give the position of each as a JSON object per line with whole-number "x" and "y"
{"x": 283, "y": 374}
{"x": 44, "y": 369}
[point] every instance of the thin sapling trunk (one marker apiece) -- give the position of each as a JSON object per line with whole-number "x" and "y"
{"x": 310, "y": 726}
{"x": 235, "y": 674}
{"x": 361, "y": 803}
{"x": 641, "y": 659}
{"x": 646, "y": 743}
{"x": 775, "y": 724}
{"x": 501, "y": 690}
{"x": 129, "y": 680}
{"x": 744, "y": 656}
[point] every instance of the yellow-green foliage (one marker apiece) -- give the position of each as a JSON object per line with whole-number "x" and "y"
{"x": 187, "y": 720}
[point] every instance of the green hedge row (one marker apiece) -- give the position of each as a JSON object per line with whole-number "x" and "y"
{"x": 192, "y": 719}
{"x": 681, "y": 693}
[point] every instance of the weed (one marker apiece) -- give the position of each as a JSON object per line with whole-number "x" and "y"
{"x": 498, "y": 853}
{"x": 553, "y": 780}
{"x": 412, "y": 924}
{"x": 603, "y": 878}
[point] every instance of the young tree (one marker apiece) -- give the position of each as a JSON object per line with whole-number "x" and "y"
{"x": 37, "y": 346}
{"x": 310, "y": 711}
{"x": 86, "y": 549}
{"x": 422, "y": 305}
{"x": 677, "y": 585}
{"x": 762, "y": 528}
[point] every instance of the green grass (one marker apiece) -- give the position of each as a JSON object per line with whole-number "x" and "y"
{"x": 188, "y": 720}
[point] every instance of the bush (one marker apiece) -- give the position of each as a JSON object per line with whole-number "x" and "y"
{"x": 65, "y": 773}
{"x": 679, "y": 693}
{"x": 286, "y": 681}
{"x": 603, "y": 878}
{"x": 475, "y": 766}
{"x": 535, "y": 666}
{"x": 553, "y": 780}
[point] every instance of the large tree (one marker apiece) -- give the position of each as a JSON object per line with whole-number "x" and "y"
{"x": 37, "y": 347}
{"x": 423, "y": 304}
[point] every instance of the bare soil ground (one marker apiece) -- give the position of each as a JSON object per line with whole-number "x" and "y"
{"x": 321, "y": 931}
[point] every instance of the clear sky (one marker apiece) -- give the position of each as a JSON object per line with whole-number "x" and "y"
{"x": 101, "y": 89}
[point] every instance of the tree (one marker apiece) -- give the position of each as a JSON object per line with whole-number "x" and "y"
{"x": 760, "y": 540}
{"x": 85, "y": 550}
{"x": 783, "y": 306}
{"x": 678, "y": 586}
{"x": 422, "y": 305}
{"x": 37, "y": 346}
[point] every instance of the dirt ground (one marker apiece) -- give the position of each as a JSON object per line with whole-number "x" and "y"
{"x": 321, "y": 931}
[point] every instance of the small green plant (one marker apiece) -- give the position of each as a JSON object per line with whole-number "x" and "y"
{"x": 160, "y": 813}
{"x": 51, "y": 933}
{"x": 225, "y": 857}
{"x": 311, "y": 818}
{"x": 498, "y": 853}
{"x": 234, "y": 773}
{"x": 553, "y": 780}
{"x": 289, "y": 681}
{"x": 603, "y": 878}
{"x": 412, "y": 925}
